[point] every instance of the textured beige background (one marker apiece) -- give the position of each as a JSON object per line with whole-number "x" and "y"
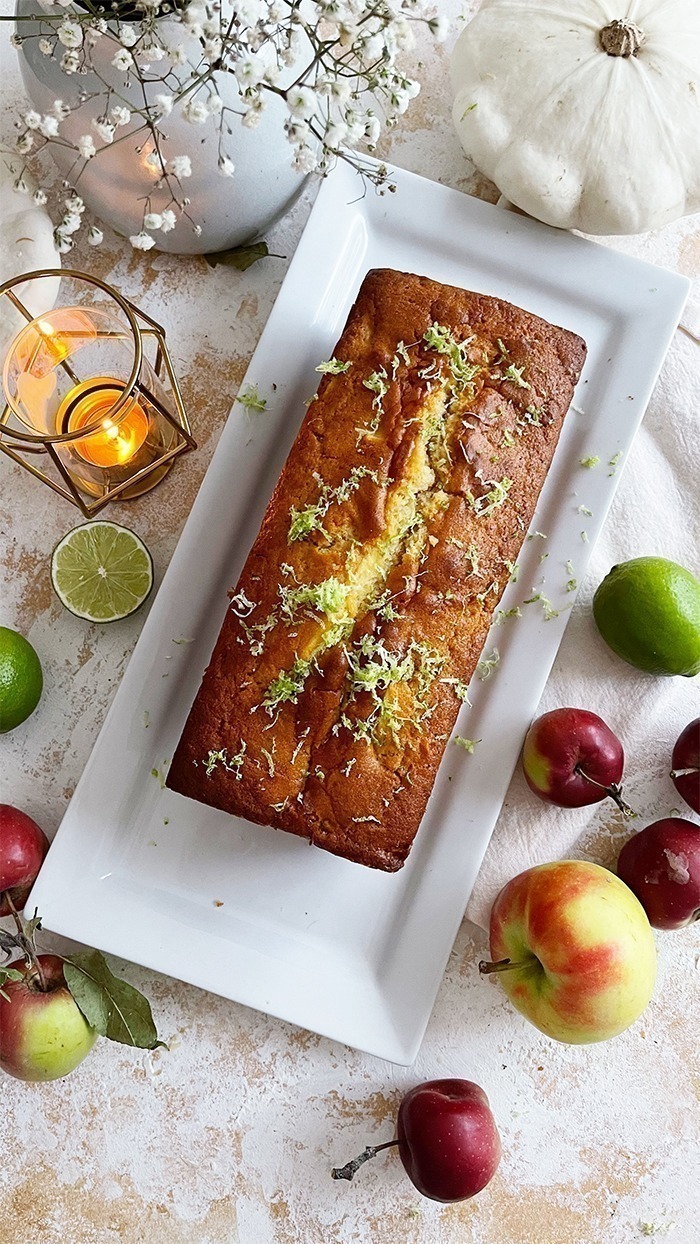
{"x": 228, "y": 1137}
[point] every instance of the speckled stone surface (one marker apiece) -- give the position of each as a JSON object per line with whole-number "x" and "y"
{"x": 228, "y": 1136}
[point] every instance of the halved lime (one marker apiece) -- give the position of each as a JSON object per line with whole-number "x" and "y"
{"x": 101, "y": 571}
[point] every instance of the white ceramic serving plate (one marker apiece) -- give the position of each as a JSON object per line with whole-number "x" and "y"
{"x": 139, "y": 871}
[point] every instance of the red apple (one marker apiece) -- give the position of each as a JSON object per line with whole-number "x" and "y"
{"x": 23, "y": 847}
{"x": 686, "y": 764}
{"x": 571, "y": 758}
{"x": 447, "y": 1140}
{"x": 661, "y": 864}
{"x": 573, "y": 950}
{"x": 43, "y": 1034}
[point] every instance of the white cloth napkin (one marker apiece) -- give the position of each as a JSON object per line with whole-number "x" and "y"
{"x": 656, "y": 511}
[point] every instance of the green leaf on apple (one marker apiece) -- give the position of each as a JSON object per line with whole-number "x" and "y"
{"x": 8, "y": 974}
{"x": 115, "y": 1008}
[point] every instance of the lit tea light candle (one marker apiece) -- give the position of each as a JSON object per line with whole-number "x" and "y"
{"x": 115, "y": 440}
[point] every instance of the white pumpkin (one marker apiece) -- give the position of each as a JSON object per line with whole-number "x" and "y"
{"x": 26, "y": 243}
{"x": 585, "y": 113}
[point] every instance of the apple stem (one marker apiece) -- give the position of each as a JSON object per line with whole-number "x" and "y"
{"x": 613, "y": 791}
{"x": 351, "y": 1168}
{"x": 30, "y": 955}
{"x": 505, "y": 965}
{"x": 684, "y": 772}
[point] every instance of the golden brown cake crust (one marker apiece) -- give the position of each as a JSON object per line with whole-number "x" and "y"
{"x": 360, "y": 614}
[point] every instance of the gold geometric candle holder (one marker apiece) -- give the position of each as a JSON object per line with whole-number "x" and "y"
{"x": 85, "y": 410}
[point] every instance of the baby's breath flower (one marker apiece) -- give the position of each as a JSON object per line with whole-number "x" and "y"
{"x": 180, "y": 166}
{"x": 40, "y": 198}
{"x": 195, "y": 111}
{"x": 70, "y": 34}
{"x": 25, "y": 142}
{"x": 120, "y": 115}
{"x": 142, "y": 241}
{"x": 48, "y": 126}
{"x": 168, "y": 220}
{"x": 128, "y": 34}
{"x": 86, "y": 146}
{"x": 152, "y": 220}
{"x": 301, "y": 102}
{"x": 46, "y": 47}
{"x": 163, "y": 105}
{"x": 226, "y": 166}
{"x": 104, "y": 129}
{"x": 70, "y": 62}
{"x": 32, "y": 119}
{"x": 123, "y": 60}
{"x": 94, "y": 235}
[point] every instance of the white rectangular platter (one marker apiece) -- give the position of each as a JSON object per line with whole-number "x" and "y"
{"x": 256, "y": 915}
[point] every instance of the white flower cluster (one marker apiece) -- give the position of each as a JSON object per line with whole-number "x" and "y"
{"x": 334, "y": 63}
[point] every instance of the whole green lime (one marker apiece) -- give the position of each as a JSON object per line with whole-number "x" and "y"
{"x": 21, "y": 679}
{"x": 648, "y": 612}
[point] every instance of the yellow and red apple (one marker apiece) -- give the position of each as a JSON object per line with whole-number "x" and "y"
{"x": 574, "y": 950}
{"x": 43, "y": 1034}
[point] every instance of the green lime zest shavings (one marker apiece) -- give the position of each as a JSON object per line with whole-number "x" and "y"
{"x": 494, "y": 498}
{"x": 488, "y": 664}
{"x": 469, "y": 109}
{"x": 513, "y": 570}
{"x": 377, "y": 383}
{"x": 583, "y": 509}
{"x": 160, "y": 774}
{"x": 327, "y": 597}
{"x": 309, "y": 519}
{"x": 251, "y": 399}
{"x": 469, "y": 745}
{"x": 232, "y": 764}
{"x": 591, "y": 461}
{"x": 547, "y": 606}
{"x": 441, "y": 339}
{"x": 584, "y": 537}
{"x": 515, "y": 374}
{"x": 461, "y": 689}
{"x": 287, "y": 686}
{"x": 503, "y": 614}
{"x": 401, "y": 353}
{"x": 333, "y": 367}
{"x": 614, "y": 461}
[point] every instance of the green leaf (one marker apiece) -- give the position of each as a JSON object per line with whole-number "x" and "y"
{"x": 8, "y": 974}
{"x": 241, "y": 257}
{"x": 112, "y": 1006}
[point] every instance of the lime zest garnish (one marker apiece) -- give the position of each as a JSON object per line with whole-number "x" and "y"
{"x": 469, "y": 745}
{"x": 591, "y": 461}
{"x": 333, "y": 367}
{"x": 251, "y": 399}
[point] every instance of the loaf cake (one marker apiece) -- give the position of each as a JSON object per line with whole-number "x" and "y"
{"x": 363, "y": 607}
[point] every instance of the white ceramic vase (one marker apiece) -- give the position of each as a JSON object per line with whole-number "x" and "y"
{"x": 229, "y": 210}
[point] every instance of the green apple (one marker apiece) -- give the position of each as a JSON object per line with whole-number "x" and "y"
{"x": 574, "y": 950}
{"x": 43, "y": 1034}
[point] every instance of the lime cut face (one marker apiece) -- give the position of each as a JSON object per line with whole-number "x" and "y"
{"x": 648, "y": 612}
{"x": 101, "y": 571}
{"x": 21, "y": 679}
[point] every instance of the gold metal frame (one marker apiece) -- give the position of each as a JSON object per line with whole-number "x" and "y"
{"x": 31, "y": 443}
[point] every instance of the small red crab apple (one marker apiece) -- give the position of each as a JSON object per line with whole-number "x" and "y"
{"x": 447, "y": 1140}
{"x": 685, "y": 773}
{"x": 661, "y": 865}
{"x": 23, "y": 847}
{"x": 572, "y": 758}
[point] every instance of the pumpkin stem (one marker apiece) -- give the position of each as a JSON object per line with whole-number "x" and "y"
{"x": 621, "y": 38}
